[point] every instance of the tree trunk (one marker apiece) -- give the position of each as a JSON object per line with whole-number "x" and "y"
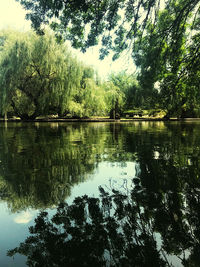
{"x": 114, "y": 113}
{"x": 5, "y": 116}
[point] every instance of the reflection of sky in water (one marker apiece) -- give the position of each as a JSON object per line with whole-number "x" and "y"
{"x": 13, "y": 230}
{"x": 24, "y": 217}
{"x": 114, "y": 174}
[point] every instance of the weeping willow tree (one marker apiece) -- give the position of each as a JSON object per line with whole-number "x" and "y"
{"x": 89, "y": 97}
{"x": 37, "y": 75}
{"x": 114, "y": 98}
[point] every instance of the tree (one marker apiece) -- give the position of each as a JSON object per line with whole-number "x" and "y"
{"x": 128, "y": 19}
{"x": 89, "y": 97}
{"x": 129, "y": 87}
{"x": 114, "y": 98}
{"x": 37, "y": 75}
{"x": 171, "y": 62}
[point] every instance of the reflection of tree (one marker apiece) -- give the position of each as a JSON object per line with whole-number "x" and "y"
{"x": 118, "y": 229}
{"x": 123, "y": 228}
{"x": 89, "y": 232}
{"x": 39, "y": 165}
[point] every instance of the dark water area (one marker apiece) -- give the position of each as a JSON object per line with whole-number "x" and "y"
{"x": 154, "y": 164}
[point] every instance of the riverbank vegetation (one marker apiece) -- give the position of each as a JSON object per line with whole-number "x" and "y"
{"x": 40, "y": 76}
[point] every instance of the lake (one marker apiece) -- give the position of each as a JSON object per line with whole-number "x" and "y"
{"x": 44, "y": 164}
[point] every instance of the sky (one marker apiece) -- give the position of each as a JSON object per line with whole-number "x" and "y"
{"x": 12, "y": 15}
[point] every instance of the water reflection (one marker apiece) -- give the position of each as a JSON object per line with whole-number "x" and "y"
{"x": 122, "y": 228}
{"x": 23, "y": 218}
{"x": 154, "y": 223}
{"x": 38, "y": 166}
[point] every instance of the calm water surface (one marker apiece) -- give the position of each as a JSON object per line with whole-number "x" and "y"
{"x": 43, "y": 164}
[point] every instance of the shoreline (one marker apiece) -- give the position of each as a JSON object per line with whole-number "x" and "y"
{"x": 97, "y": 120}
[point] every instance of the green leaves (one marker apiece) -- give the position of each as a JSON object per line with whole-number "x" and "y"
{"x": 30, "y": 72}
{"x": 39, "y": 76}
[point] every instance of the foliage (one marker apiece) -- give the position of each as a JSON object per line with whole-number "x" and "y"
{"x": 163, "y": 37}
{"x": 84, "y": 22}
{"x": 129, "y": 88}
{"x": 39, "y": 77}
{"x": 34, "y": 75}
{"x": 145, "y": 112}
{"x": 171, "y": 61}
{"x": 114, "y": 99}
{"x": 89, "y": 98}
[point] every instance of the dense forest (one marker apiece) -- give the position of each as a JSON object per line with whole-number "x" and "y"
{"x": 40, "y": 76}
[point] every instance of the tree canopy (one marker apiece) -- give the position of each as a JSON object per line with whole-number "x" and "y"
{"x": 35, "y": 74}
{"x": 38, "y": 76}
{"x": 118, "y": 23}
